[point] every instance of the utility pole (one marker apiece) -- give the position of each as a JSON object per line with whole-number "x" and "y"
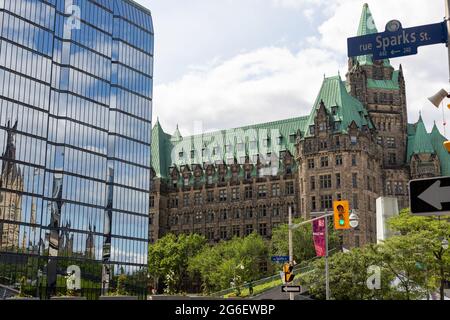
{"x": 327, "y": 273}
{"x": 291, "y": 247}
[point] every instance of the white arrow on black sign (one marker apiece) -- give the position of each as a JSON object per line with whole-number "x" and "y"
{"x": 435, "y": 196}
{"x": 291, "y": 289}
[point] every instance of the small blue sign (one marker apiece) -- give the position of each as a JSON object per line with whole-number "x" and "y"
{"x": 280, "y": 259}
{"x": 396, "y": 41}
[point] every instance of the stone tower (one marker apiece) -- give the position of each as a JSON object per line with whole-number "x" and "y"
{"x": 381, "y": 89}
{"x": 10, "y": 201}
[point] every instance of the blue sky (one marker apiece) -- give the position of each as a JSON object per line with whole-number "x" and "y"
{"x": 228, "y": 63}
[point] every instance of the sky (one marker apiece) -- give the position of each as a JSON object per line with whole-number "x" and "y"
{"x": 227, "y": 63}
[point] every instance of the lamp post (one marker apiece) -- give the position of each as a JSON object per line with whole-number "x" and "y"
{"x": 444, "y": 245}
{"x": 354, "y": 222}
{"x": 236, "y": 277}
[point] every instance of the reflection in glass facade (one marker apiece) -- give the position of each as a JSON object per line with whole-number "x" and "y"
{"x": 75, "y": 124}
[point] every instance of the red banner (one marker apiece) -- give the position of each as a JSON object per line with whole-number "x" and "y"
{"x": 319, "y": 236}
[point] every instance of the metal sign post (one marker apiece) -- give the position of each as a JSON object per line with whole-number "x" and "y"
{"x": 291, "y": 247}
{"x": 327, "y": 273}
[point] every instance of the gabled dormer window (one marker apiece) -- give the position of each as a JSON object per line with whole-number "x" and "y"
{"x": 240, "y": 147}
{"x": 228, "y": 148}
{"x": 337, "y": 125}
{"x": 253, "y": 145}
{"x": 280, "y": 140}
{"x": 292, "y": 138}
{"x": 312, "y": 129}
{"x": 322, "y": 126}
{"x": 181, "y": 154}
{"x": 266, "y": 142}
{"x": 334, "y": 111}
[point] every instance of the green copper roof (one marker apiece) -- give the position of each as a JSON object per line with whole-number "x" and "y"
{"x": 419, "y": 141}
{"x": 437, "y": 139}
{"x": 422, "y": 140}
{"x": 177, "y": 135}
{"x": 367, "y": 26}
{"x": 160, "y": 143}
{"x": 385, "y": 84}
{"x": 221, "y": 146}
{"x": 346, "y": 109}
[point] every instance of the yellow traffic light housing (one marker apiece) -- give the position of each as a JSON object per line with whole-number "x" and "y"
{"x": 288, "y": 275}
{"x": 447, "y": 145}
{"x": 341, "y": 215}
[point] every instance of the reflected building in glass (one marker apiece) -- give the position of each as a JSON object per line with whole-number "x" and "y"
{"x": 75, "y": 124}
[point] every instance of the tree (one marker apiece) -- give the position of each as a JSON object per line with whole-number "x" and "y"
{"x": 433, "y": 231}
{"x": 302, "y": 239}
{"x": 348, "y": 276}
{"x": 230, "y": 263}
{"x": 168, "y": 258}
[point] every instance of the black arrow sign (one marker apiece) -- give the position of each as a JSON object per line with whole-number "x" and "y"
{"x": 436, "y": 195}
{"x": 430, "y": 196}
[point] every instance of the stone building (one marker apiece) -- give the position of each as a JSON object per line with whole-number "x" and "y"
{"x": 356, "y": 145}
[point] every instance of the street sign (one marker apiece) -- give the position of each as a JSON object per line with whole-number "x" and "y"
{"x": 291, "y": 289}
{"x": 430, "y": 196}
{"x": 396, "y": 41}
{"x": 280, "y": 259}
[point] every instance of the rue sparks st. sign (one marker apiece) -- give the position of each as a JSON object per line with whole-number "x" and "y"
{"x": 396, "y": 41}
{"x": 430, "y": 196}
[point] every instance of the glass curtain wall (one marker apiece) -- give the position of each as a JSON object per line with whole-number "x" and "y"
{"x": 75, "y": 124}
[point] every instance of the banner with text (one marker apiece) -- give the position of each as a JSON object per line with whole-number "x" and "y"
{"x": 319, "y": 236}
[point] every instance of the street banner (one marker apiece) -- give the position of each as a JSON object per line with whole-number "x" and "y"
{"x": 319, "y": 236}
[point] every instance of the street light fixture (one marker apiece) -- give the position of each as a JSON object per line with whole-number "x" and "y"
{"x": 354, "y": 220}
{"x": 444, "y": 244}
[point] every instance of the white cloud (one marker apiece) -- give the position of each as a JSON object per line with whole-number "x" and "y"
{"x": 262, "y": 85}
{"x": 297, "y": 4}
{"x": 274, "y": 82}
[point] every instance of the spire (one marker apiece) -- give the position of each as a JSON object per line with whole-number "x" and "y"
{"x": 177, "y": 135}
{"x": 420, "y": 117}
{"x": 435, "y": 129}
{"x": 422, "y": 140}
{"x": 366, "y": 23}
{"x": 367, "y": 26}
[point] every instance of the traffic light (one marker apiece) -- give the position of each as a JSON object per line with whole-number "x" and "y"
{"x": 447, "y": 145}
{"x": 341, "y": 215}
{"x": 288, "y": 275}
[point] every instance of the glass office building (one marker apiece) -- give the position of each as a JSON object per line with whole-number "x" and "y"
{"x": 75, "y": 126}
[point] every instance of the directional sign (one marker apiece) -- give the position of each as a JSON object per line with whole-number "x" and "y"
{"x": 430, "y": 196}
{"x": 396, "y": 41}
{"x": 280, "y": 259}
{"x": 291, "y": 289}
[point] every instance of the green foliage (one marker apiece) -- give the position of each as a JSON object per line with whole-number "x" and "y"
{"x": 302, "y": 237}
{"x": 168, "y": 258}
{"x": 230, "y": 264}
{"x": 121, "y": 290}
{"x": 411, "y": 264}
